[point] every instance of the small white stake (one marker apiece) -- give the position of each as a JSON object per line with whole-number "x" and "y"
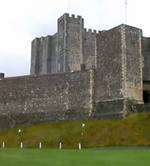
{"x": 60, "y": 145}
{"x": 21, "y": 145}
{"x": 80, "y": 147}
{"x": 40, "y": 145}
{"x": 3, "y": 145}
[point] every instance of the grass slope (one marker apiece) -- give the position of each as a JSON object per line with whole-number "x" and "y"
{"x": 104, "y": 157}
{"x": 133, "y": 131}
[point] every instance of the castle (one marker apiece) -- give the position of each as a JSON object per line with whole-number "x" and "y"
{"x": 79, "y": 74}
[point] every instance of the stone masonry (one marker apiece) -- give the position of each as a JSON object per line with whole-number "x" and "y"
{"x": 79, "y": 74}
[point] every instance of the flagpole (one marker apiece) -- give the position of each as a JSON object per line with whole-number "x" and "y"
{"x": 68, "y": 5}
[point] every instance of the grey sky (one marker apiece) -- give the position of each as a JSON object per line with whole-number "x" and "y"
{"x": 23, "y": 20}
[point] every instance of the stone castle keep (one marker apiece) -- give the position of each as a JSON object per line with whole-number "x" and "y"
{"x": 79, "y": 74}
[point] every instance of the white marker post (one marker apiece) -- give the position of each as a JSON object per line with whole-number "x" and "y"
{"x": 82, "y": 133}
{"x": 80, "y": 147}
{"x": 83, "y": 125}
{"x": 21, "y": 145}
{"x": 40, "y": 145}
{"x": 60, "y": 145}
{"x": 19, "y": 130}
{"x": 3, "y": 145}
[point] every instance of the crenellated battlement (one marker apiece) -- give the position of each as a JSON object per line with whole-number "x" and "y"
{"x": 90, "y": 31}
{"x": 42, "y": 38}
{"x": 71, "y": 17}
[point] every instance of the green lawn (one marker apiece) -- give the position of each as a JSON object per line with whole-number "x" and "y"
{"x": 91, "y": 157}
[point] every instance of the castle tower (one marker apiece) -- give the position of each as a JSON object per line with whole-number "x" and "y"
{"x": 119, "y": 75}
{"x": 62, "y": 52}
{"x": 69, "y": 57}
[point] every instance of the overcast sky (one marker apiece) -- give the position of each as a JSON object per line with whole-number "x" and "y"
{"x": 23, "y": 20}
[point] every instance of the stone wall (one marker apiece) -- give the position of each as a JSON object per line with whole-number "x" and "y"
{"x": 109, "y": 66}
{"x": 61, "y": 44}
{"x": 69, "y": 55}
{"x": 118, "y": 76}
{"x": 146, "y": 54}
{"x": 53, "y": 68}
{"x": 65, "y": 96}
{"x": 30, "y": 99}
{"x": 89, "y": 49}
{"x": 65, "y": 51}
{"x": 109, "y": 110}
{"x": 41, "y": 55}
{"x": 103, "y": 92}
{"x": 133, "y": 63}
{"x": 73, "y": 46}
{"x": 108, "y": 75}
{"x": 35, "y": 56}
{"x": 74, "y": 43}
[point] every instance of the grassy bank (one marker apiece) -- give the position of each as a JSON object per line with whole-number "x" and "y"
{"x": 133, "y": 131}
